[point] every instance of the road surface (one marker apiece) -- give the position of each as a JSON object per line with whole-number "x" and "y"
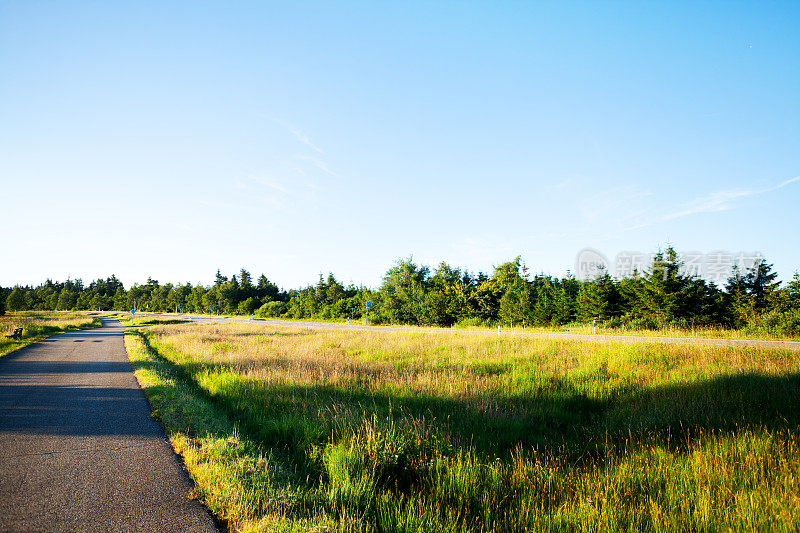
{"x": 601, "y": 338}
{"x": 78, "y": 448}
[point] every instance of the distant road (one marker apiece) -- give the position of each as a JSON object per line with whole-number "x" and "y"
{"x": 601, "y": 338}
{"x": 79, "y": 450}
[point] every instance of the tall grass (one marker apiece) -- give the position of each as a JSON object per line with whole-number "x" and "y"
{"x": 759, "y": 329}
{"x": 38, "y": 325}
{"x": 371, "y": 431}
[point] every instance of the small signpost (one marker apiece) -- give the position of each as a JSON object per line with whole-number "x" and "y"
{"x": 366, "y": 316}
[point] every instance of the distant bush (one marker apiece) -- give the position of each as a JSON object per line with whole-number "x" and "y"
{"x": 272, "y": 309}
{"x": 775, "y": 323}
{"x": 247, "y": 307}
{"x": 471, "y": 322}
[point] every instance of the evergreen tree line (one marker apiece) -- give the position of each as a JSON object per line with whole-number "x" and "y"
{"x": 661, "y": 296}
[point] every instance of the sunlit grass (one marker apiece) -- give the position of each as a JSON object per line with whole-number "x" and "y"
{"x": 38, "y": 325}
{"x": 575, "y": 328}
{"x": 128, "y": 320}
{"x": 381, "y": 431}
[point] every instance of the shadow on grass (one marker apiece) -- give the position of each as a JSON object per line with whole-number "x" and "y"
{"x": 559, "y": 418}
{"x": 155, "y": 322}
{"x": 292, "y": 424}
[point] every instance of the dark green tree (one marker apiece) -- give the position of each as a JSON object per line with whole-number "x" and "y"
{"x": 403, "y": 292}
{"x": 793, "y": 292}
{"x": 511, "y": 283}
{"x": 67, "y": 299}
{"x": 598, "y": 298}
{"x": 246, "y": 288}
{"x": 761, "y": 284}
{"x": 266, "y": 290}
{"x": 16, "y": 300}
{"x": 120, "y": 299}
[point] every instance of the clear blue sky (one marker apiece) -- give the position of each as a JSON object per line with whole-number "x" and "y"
{"x": 145, "y": 139}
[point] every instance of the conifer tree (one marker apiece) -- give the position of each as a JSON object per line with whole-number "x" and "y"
{"x": 16, "y": 300}
{"x": 760, "y": 283}
{"x": 598, "y": 298}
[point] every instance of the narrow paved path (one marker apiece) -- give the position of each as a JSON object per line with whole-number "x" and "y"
{"x": 78, "y": 448}
{"x": 601, "y": 338}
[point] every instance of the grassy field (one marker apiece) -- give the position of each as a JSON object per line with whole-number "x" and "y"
{"x": 324, "y": 430}
{"x": 128, "y": 320}
{"x": 699, "y": 332}
{"x": 38, "y": 325}
{"x": 706, "y": 332}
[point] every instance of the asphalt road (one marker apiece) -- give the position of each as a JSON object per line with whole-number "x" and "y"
{"x": 78, "y": 448}
{"x": 600, "y": 338}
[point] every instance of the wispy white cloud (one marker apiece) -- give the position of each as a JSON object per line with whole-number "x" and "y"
{"x": 274, "y": 185}
{"x": 722, "y": 200}
{"x": 713, "y": 202}
{"x": 317, "y": 162}
{"x": 787, "y": 182}
{"x": 285, "y": 194}
{"x": 305, "y": 140}
{"x": 716, "y": 201}
{"x": 299, "y": 135}
{"x": 314, "y": 160}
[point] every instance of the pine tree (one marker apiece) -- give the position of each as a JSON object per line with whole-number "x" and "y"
{"x": 266, "y": 290}
{"x": 750, "y": 293}
{"x": 16, "y": 300}
{"x": 793, "y": 291}
{"x": 66, "y": 299}
{"x": 661, "y": 291}
{"x": 761, "y": 284}
{"x": 598, "y": 298}
{"x": 515, "y": 303}
{"x": 246, "y": 289}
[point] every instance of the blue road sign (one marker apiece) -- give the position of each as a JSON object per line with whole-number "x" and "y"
{"x": 369, "y": 304}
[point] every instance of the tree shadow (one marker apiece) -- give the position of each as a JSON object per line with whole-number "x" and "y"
{"x": 728, "y": 403}
{"x": 12, "y": 366}
{"x": 560, "y": 418}
{"x": 55, "y": 396}
{"x": 36, "y": 409}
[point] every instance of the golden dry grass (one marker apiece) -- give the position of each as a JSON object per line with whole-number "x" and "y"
{"x": 382, "y": 431}
{"x": 38, "y": 325}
